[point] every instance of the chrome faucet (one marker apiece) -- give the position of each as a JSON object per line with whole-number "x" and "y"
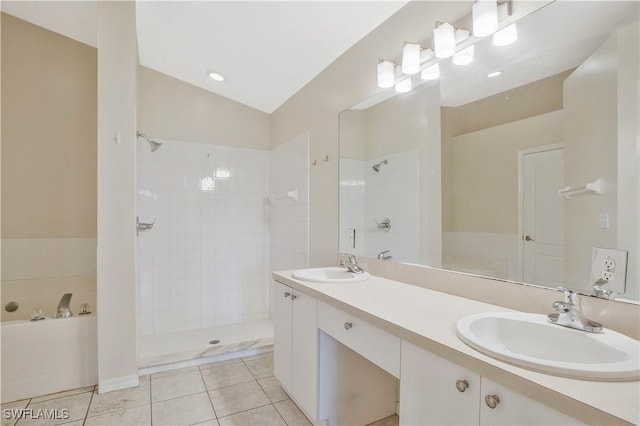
{"x": 63, "y": 310}
{"x": 350, "y": 262}
{"x": 384, "y": 256}
{"x": 568, "y": 314}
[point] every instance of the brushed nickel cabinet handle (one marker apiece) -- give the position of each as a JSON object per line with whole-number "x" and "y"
{"x": 492, "y": 401}
{"x": 347, "y": 325}
{"x": 287, "y": 294}
{"x": 294, "y": 297}
{"x": 462, "y": 385}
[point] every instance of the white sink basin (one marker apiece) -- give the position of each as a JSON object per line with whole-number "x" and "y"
{"x": 530, "y": 341}
{"x": 332, "y": 274}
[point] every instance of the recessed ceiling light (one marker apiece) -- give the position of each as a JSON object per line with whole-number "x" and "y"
{"x": 214, "y": 75}
{"x": 494, "y": 74}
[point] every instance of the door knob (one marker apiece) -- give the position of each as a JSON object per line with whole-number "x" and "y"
{"x": 527, "y": 238}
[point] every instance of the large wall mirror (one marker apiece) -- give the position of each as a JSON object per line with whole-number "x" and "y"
{"x": 513, "y": 167}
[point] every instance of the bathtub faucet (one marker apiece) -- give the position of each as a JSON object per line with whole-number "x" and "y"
{"x": 63, "y": 310}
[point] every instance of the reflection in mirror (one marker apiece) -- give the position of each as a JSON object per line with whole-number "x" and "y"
{"x": 464, "y": 173}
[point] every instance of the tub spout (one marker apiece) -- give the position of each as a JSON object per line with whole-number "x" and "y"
{"x": 63, "y": 310}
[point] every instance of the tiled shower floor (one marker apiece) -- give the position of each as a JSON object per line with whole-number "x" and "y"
{"x": 242, "y": 391}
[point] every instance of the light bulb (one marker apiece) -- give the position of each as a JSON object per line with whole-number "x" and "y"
{"x": 485, "y": 17}
{"x": 506, "y": 36}
{"x": 403, "y": 86}
{"x": 431, "y": 73}
{"x": 386, "y": 76}
{"x": 464, "y": 57}
{"x": 444, "y": 40}
{"x": 411, "y": 58}
{"x": 214, "y": 75}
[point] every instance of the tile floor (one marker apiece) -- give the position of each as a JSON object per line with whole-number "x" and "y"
{"x": 242, "y": 391}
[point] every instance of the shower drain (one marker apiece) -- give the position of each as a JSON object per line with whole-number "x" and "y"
{"x": 214, "y": 342}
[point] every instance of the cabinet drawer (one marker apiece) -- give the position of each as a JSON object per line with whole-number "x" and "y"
{"x": 378, "y": 346}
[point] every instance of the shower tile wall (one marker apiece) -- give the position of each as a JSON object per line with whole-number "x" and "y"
{"x": 206, "y": 260}
{"x": 289, "y": 231}
{"x": 367, "y": 196}
{"x": 352, "y": 206}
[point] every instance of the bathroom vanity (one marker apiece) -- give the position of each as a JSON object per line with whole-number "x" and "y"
{"x": 401, "y": 340}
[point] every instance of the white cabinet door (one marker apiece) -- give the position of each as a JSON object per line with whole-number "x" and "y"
{"x": 429, "y": 393}
{"x": 516, "y": 409}
{"x": 304, "y": 351}
{"x": 295, "y": 345}
{"x": 281, "y": 315}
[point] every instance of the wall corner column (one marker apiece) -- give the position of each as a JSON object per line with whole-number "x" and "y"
{"x": 116, "y": 273}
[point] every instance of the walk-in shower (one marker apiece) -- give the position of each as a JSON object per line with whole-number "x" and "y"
{"x": 152, "y": 144}
{"x": 376, "y": 167}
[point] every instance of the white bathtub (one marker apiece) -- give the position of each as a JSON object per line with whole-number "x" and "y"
{"x": 48, "y": 356}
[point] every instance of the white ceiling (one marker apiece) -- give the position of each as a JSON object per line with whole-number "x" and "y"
{"x": 268, "y": 50}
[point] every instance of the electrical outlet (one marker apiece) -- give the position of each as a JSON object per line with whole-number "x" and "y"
{"x": 611, "y": 266}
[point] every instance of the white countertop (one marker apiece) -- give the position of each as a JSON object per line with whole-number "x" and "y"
{"x": 428, "y": 318}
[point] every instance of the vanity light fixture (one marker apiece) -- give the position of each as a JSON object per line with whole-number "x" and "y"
{"x": 506, "y": 36}
{"x": 431, "y": 73}
{"x": 404, "y": 86}
{"x": 464, "y": 57}
{"x": 444, "y": 40}
{"x": 411, "y": 58}
{"x": 386, "y": 74}
{"x": 485, "y": 17}
{"x": 216, "y": 76}
{"x": 494, "y": 74}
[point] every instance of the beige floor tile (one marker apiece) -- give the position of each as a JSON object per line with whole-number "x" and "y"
{"x": 271, "y": 386}
{"x": 226, "y": 375}
{"x": 176, "y": 386}
{"x": 220, "y": 363}
{"x": 131, "y": 416}
{"x": 261, "y": 416}
{"x": 257, "y": 356}
{"x": 212, "y": 422}
{"x": 15, "y": 405}
{"x": 261, "y": 367}
{"x": 291, "y": 413}
{"x": 120, "y": 400}
{"x": 174, "y": 372}
{"x": 186, "y": 410}
{"x": 74, "y": 423}
{"x": 75, "y": 405}
{"x": 62, "y": 394}
{"x": 233, "y": 399}
{"x": 387, "y": 421}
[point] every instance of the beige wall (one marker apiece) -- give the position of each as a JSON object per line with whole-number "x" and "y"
{"x": 539, "y": 97}
{"x": 172, "y": 109}
{"x": 48, "y": 133}
{"x": 353, "y": 141}
{"x": 601, "y": 142}
{"x": 347, "y": 81}
{"x": 481, "y": 176}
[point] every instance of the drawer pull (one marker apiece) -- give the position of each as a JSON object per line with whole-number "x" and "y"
{"x": 287, "y": 294}
{"x": 294, "y": 297}
{"x": 492, "y": 401}
{"x": 462, "y": 385}
{"x": 347, "y": 325}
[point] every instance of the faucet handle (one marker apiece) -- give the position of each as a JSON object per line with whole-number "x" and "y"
{"x": 562, "y": 307}
{"x": 570, "y": 296}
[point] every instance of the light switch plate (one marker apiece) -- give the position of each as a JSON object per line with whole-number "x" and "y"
{"x": 611, "y": 266}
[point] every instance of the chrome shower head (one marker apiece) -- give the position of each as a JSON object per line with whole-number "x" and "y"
{"x": 376, "y": 167}
{"x": 152, "y": 144}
